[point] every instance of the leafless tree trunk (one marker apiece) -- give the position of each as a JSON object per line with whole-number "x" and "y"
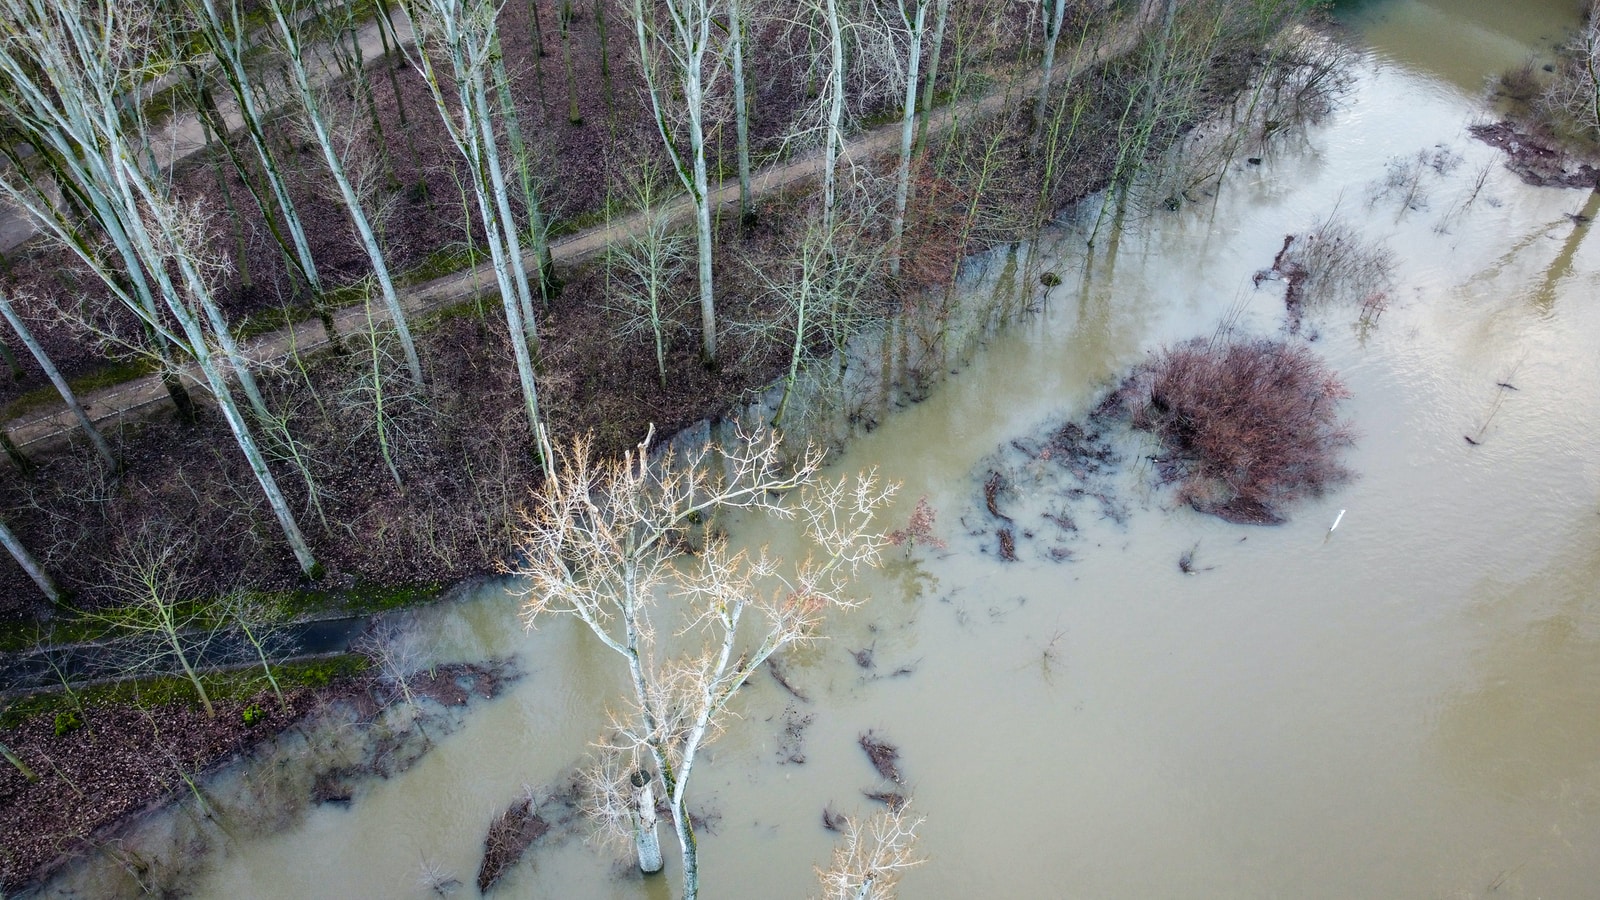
{"x": 96, "y": 439}
{"x": 228, "y": 40}
{"x": 462, "y": 34}
{"x": 741, "y": 106}
{"x": 30, "y": 565}
{"x": 1052, "y": 37}
{"x": 915, "y": 21}
{"x": 674, "y": 37}
{"x": 86, "y": 55}
{"x": 154, "y": 612}
{"x": 284, "y": 14}
{"x": 941, "y": 17}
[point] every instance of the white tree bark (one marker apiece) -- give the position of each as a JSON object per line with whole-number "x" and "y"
{"x": 462, "y": 33}
{"x": 940, "y": 18}
{"x": 96, "y": 439}
{"x": 289, "y": 36}
{"x": 51, "y": 129}
{"x": 85, "y": 55}
{"x": 680, "y": 44}
{"x": 916, "y": 24}
{"x": 834, "y": 134}
{"x": 1052, "y": 36}
{"x": 599, "y": 547}
{"x": 741, "y": 107}
{"x": 228, "y": 45}
{"x": 521, "y": 158}
{"x": 647, "y": 843}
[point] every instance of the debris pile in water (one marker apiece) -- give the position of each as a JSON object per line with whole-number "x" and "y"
{"x": 1245, "y": 425}
{"x": 1040, "y": 487}
{"x": 1533, "y": 159}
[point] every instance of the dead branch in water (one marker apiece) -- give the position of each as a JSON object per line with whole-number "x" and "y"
{"x": 992, "y": 486}
{"x": 884, "y": 756}
{"x": 1008, "y": 545}
{"x": 510, "y": 835}
{"x": 778, "y": 675}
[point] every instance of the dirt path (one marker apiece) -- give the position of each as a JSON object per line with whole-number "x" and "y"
{"x": 183, "y": 135}
{"x": 141, "y": 397}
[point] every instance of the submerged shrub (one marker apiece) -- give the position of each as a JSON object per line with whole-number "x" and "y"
{"x": 1245, "y": 425}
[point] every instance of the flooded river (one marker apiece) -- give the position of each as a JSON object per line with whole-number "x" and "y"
{"x": 1406, "y": 707}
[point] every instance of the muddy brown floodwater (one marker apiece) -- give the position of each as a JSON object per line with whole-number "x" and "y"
{"x": 1406, "y": 707}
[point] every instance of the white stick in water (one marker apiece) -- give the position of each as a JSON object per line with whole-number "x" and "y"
{"x": 1336, "y": 520}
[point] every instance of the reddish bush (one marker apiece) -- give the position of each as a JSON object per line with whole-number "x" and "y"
{"x": 1246, "y": 425}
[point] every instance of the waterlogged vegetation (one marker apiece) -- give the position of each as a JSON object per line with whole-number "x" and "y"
{"x": 1206, "y": 333}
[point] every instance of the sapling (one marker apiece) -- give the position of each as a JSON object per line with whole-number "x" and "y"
{"x": 645, "y": 269}
{"x": 255, "y": 620}
{"x": 163, "y": 625}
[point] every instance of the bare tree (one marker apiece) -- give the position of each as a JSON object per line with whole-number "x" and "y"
{"x": 1576, "y": 90}
{"x": 737, "y": 24}
{"x": 164, "y": 625}
{"x": 28, "y": 563}
{"x": 18, "y": 764}
{"x": 58, "y": 187}
{"x": 915, "y": 21}
{"x": 462, "y": 34}
{"x": 876, "y": 852}
{"x": 604, "y": 543}
{"x": 674, "y": 43}
{"x": 1052, "y": 36}
{"x": 820, "y": 287}
{"x": 857, "y": 62}
{"x": 940, "y": 19}
{"x": 256, "y": 621}
{"x": 646, "y": 265}
{"x": 285, "y": 14}
{"x": 229, "y": 42}
{"x": 68, "y": 397}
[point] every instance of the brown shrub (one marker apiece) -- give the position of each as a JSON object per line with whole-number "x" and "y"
{"x": 1246, "y": 425}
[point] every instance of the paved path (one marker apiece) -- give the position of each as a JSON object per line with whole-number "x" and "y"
{"x": 140, "y": 397}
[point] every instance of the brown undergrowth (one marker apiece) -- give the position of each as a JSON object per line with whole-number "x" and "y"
{"x": 1246, "y": 425}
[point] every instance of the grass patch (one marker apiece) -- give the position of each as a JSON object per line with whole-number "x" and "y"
{"x": 362, "y": 599}
{"x": 286, "y": 606}
{"x": 224, "y": 686}
{"x": 447, "y": 260}
{"x": 114, "y": 372}
{"x": 272, "y": 320}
